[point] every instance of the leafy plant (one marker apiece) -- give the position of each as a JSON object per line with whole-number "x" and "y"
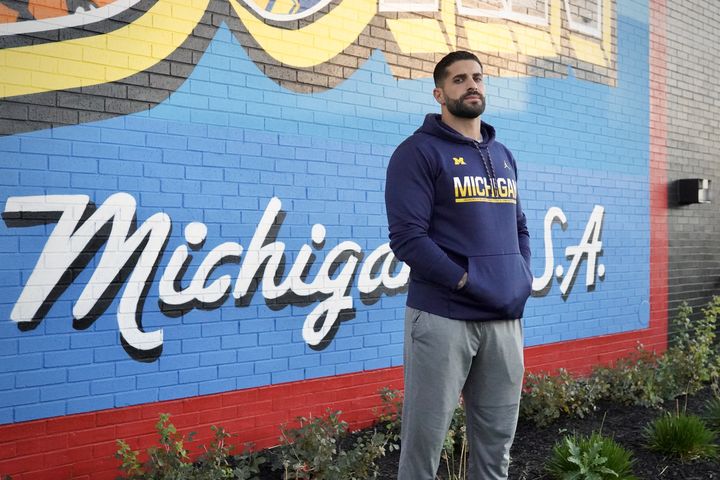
{"x": 390, "y": 415}
{"x": 691, "y": 356}
{"x": 545, "y": 397}
{"x": 681, "y": 435}
{"x": 170, "y": 460}
{"x": 635, "y": 380}
{"x": 590, "y": 458}
{"x": 311, "y": 451}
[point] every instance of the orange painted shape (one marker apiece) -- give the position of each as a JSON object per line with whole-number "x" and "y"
{"x": 7, "y": 15}
{"x": 47, "y": 8}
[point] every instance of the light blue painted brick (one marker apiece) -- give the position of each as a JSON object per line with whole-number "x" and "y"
{"x": 235, "y": 370}
{"x": 24, "y": 161}
{"x": 161, "y": 200}
{"x": 144, "y": 155}
{"x": 274, "y": 338}
{"x": 200, "y": 344}
{"x": 217, "y": 386}
{"x": 262, "y": 137}
{"x": 219, "y": 329}
{"x": 163, "y": 171}
{"x": 288, "y": 376}
{"x": 274, "y": 365}
{"x": 172, "y": 185}
{"x": 131, "y": 367}
{"x": 218, "y": 358}
{"x": 112, "y": 385}
{"x": 41, "y": 377}
{"x": 19, "y": 397}
{"x": 202, "y": 201}
{"x": 6, "y": 415}
{"x": 177, "y": 142}
{"x": 289, "y": 350}
{"x": 351, "y": 367}
{"x": 119, "y": 167}
{"x": 93, "y": 181}
{"x": 257, "y": 353}
{"x": 43, "y": 410}
{"x": 252, "y": 381}
{"x": 7, "y": 381}
{"x": 90, "y": 372}
{"x": 334, "y": 358}
{"x": 214, "y": 117}
{"x": 136, "y": 397}
{"x": 207, "y": 145}
{"x": 44, "y": 179}
{"x": 204, "y": 173}
{"x": 73, "y": 164}
{"x": 145, "y": 124}
{"x": 45, "y": 145}
{"x": 181, "y": 157}
{"x": 178, "y": 362}
{"x": 378, "y": 363}
{"x": 44, "y": 344}
{"x": 95, "y": 150}
{"x": 157, "y": 379}
{"x": 122, "y": 137}
{"x": 255, "y": 326}
{"x": 65, "y": 391}
{"x": 80, "y": 405}
{"x": 68, "y": 358}
{"x": 317, "y": 372}
{"x": 186, "y": 129}
{"x": 140, "y": 184}
{"x": 239, "y": 341}
{"x": 198, "y": 375}
{"x": 10, "y": 144}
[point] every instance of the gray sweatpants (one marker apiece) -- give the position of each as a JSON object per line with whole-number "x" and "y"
{"x": 443, "y": 358}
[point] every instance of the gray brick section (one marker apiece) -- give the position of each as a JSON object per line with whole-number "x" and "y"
{"x": 693, "y": 103}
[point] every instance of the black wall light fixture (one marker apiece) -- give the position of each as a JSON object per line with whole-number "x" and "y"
{"x": 693, "y": 190}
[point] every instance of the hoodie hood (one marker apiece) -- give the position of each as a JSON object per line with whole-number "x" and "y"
{"x": 433, "y": 125}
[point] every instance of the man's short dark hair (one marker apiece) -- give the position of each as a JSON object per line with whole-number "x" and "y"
{"x": 440, "y": 71}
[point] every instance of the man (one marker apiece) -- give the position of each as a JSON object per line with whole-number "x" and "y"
{"x": 455, "y": 219}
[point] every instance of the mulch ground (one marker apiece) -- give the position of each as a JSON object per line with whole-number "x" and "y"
{"x": 533, "y": 445}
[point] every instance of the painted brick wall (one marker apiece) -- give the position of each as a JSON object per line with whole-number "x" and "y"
{"x": 194, "y": 219}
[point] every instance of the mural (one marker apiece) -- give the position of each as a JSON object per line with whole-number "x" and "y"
{"x": 228, "y": 231}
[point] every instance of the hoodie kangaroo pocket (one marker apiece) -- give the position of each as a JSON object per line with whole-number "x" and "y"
{"x": 500, "y": 283}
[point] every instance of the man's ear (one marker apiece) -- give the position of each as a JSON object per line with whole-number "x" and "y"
{"x": 438, "y": 94}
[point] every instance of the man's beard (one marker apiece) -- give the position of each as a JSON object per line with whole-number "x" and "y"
{"x": 466, "y": 110}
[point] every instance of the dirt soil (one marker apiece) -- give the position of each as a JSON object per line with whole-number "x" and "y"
{"x": 533, "y": 445}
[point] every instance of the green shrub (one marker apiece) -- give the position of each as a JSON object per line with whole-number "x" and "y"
{"x": 692, "y": 357}
{"x": 545, "y": 397}
{"x": 683, "y": 436}
{"x": 170, "y": 460}
{"x": 312, "y": 451}
{"x": 390, "y": 415}
{"x": 590, "y": 458}
{"x": 635, "y": 380}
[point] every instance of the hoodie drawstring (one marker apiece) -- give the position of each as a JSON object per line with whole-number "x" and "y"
{"x": 490, "y": 169}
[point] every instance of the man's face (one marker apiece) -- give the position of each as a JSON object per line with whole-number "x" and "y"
{"x": 462, "y": 91}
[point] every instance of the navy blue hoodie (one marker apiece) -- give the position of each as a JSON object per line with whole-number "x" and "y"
{"x": 453, "y": 207}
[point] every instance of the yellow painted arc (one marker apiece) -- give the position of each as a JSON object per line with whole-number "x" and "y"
{"x": 104, "y": 58}
{"x": 291, "y": 47}
{"x": 418, "y": 35}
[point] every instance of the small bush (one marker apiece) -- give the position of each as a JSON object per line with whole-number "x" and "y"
{"x": 390, "y": 415}
{"x": 170, "y": 460}
{"x": 312, "y": 451}
{"x": 590, "y": 458}
{"x": 683, "y": 436}
{"x": 635, "y": 380}
{"x": 545, "y": 397}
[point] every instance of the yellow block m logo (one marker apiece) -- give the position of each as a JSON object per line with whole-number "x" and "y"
{"x": 459, "y": 160}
